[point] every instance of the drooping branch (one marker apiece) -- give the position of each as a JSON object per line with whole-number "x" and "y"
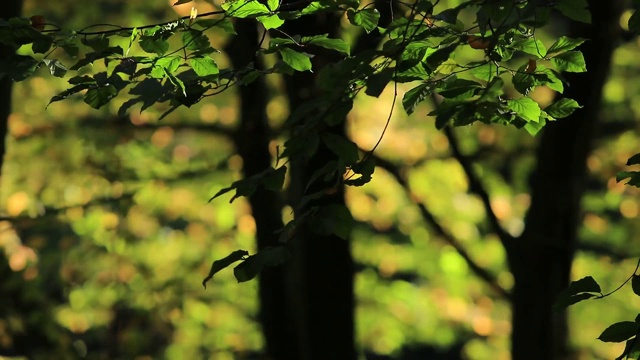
{"x": 431, "y": 220}
{"x": 476, "y": 186}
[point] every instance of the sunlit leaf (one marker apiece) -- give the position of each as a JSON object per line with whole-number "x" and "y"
{"x": 562, "y": 108}
{"x": 271, "y": 21}
{"x": 526, "y": 108}
{"x": 297, "y": 60}
{"x": 204, "y": 66}
{"x": 327, "y": 43}
{"x": 367, "y": 18}
{"x": 244, "y": 8}
{"x": 571, "y": 61}
{"x": 564, "y": 43}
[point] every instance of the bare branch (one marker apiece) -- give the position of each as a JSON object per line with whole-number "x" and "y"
{"x": 476, "y": 186}
{"x": 430, "y": 219}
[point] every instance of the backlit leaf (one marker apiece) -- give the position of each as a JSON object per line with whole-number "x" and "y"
{"x": 297, "y": 60}
{"x": 571, "y": 61}
{"x": 204, "y": 66}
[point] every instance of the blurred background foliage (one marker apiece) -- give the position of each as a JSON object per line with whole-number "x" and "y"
{"x": 107, "y": 232}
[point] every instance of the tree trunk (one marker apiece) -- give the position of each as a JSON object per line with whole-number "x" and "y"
{"x": 320, "y": 273}
{"x": 8, "y": 10}
{"x": 541, "y": 258}
{"x": 252, "y": 142}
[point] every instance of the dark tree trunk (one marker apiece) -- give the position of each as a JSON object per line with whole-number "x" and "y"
{"x": 541, "y": 258}
{"x": 252, "y": 141}
{"x": 10, "y": 9}
{"x": 320, "y": 274}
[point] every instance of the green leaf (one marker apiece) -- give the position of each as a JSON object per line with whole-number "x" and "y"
{"x": 254, "y": 264}
{"x": 176, "y": 82}
{"x": 493, "y": 90}
{"x": 165, "y": 65}
{"x": 634, "y": 160}
{"x": 631, "y": 350}
{"x": 42, "y": 44}
{"x": 530, "y": 46}
{"x": 204, "y": 66}
{"x": 526, "y": 108}
{"x": 226, "y": 25}
{"x": 365, "y": 168}
{"x": 565, "y": 301}
{"x": 218, "y": 265}
{"x": 296, "y": 60}
{"x": 248, "y": 269}
{"x": 562, "y": 108}
{"x": 415, "y": 96}
{"x": 152, "y": 44}
{"x": 377, "y": 82}
{"x": 274, "y": 180}
{"x": 586, "y": 284}
{"x": 564, "y": 43}
{"x": 571, "y": 61}
{"x": 459, "y": 88}
{"x": 553, "y": 79}
{"x": 327, "y": 43}
{"x": 244, "y": 8}
{"x": 97, "y": 97}
{"x": 56, "y": 68}
{"x": 534, "y": 127}
{"x": 635, "y": 284}
{"x": 367, "y": 18}
{"x": 195, "y": 40}
{"x": 332, "y": 219}
{"x": 273, "y": 5}
{"x": 97, "y": 43}
{"x": 318, "y": 6}
{"x": 73, "y": 90}
{"x": 577, "y": 10}
{"x": 91, "y": 57}
{"x": 345, "y": 149}
{"x": 577, "y": 291}
{"x": 271, "y": 21}
{"x": 20, "y": 67}
{"x": 619, "y": 332}
{"x": 634, "y": 178}
{"x": 449, "y": 15}
{"x": 486, "y": 72}
{"x": 441, "y": 55}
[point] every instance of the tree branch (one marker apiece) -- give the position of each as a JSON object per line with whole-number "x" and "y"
{"x": 475, "y": 185}
{"x": 430, "y": 219}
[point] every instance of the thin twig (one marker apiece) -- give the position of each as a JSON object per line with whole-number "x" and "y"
{"x": 476, "y": 186}
{"x": 430, "y": 219}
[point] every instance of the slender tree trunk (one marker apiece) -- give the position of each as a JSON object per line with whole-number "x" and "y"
{"x": 541, "y": 258}
{"x": 10, "y": 9}
{"x": 252, "y": 141}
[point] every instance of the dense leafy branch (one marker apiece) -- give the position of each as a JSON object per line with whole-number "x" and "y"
{"x": 172, "y": 64}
